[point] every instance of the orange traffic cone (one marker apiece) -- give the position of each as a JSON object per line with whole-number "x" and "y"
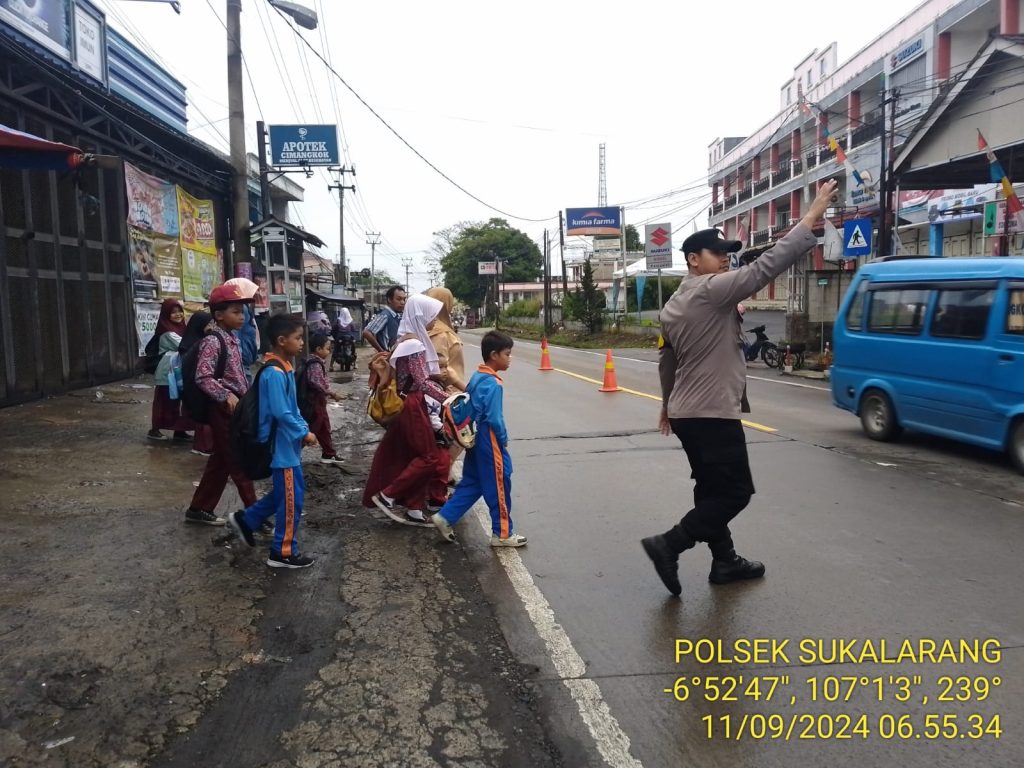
{"x": 610, "y": 384}
{"x": 545, "y": 356}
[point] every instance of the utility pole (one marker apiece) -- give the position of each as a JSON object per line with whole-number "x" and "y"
{"x": 372, "y": 239}
{"x": 407, "y": 263}
{"x": 547, "y": 284}
{"x": 236, "y": 135}
{"x": 340, "y": 186}
{"x": 885, "y": 229}
{"x": 561, "y": 249}
{"x": 261, "y": 137}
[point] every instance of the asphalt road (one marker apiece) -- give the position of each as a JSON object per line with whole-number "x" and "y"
{"x": 863, "y": 543}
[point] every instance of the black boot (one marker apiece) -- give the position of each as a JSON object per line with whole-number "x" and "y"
{"x": 734, "y": 568}
{"x": 666, "y": 562}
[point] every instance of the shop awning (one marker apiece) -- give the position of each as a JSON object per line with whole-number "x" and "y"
{"x": 27, "y": 152}
{"x": 333, "y": 298}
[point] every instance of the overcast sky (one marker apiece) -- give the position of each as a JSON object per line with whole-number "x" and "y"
{"x": 511, "y": 100}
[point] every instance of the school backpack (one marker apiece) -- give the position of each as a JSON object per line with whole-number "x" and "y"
{"x": 385, "y": 403}
{"x": 253, "y": 455}
{"x": 196, "y": 403}
{"x": 457, "y": 417}
{"x": 302, "y": 391}
{"x": 152, "y": 354}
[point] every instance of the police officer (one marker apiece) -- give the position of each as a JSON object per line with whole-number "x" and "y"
{"x": 703, "y": 379}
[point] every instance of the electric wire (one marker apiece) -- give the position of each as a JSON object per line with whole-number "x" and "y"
{"x": 402, "y": 139}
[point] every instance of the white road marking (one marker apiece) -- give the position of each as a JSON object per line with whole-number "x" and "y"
{"x": 612, "y": 742}
{"x": 790, "y": 383}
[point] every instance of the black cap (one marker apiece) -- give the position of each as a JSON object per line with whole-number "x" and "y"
{"x": 712, "y": 240}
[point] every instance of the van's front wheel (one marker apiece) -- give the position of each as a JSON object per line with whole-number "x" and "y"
{"x": 878, "y": 416}
{"x": 1015, "y": 444}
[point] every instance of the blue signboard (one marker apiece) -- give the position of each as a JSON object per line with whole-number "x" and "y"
{"x": 303, "y": 145}
{"x": 857, "y": 237}
{"x": 592, "y": 221}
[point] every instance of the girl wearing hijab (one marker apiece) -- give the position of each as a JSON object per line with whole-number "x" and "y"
{"x": 167, "y": 412}
{"x": 410, "y": 467}
{"x": 446, "y": 341}
{"x": 343, "y": 330}
{"x": 198, "y": 324}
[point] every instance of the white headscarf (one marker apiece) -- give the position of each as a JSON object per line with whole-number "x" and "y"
{"x": 419, "y": 310}
{"x": 344, "y": 317}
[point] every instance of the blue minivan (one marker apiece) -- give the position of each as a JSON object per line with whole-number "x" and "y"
{"x": 935, "y": 345}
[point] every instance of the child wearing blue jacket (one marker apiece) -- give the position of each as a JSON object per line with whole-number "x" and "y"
{"x": 279, "y": 409}
{"x": 487, "y": 470}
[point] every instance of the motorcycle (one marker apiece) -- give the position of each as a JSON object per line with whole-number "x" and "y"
{"x": 344, "y": 353}
{"x": 761, "y": 347}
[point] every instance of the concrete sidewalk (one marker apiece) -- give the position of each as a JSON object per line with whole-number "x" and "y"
{"x": 130, "y": 639}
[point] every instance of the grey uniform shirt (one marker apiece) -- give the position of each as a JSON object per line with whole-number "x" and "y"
{"x": 703, "y": 373}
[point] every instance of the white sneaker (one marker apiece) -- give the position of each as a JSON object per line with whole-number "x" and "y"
{"x": 514, "y": 540}
{"x": 335, "y": 460}
{"x": 443, "y": 527}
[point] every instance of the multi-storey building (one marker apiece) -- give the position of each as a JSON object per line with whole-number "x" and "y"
{"x": 761, "y": 183}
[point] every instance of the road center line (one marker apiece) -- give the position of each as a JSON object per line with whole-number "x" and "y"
{"x": 612, "y": 742}
{"x": 750, "y": 424}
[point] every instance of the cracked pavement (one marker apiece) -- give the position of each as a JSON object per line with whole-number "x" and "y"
{"x": 130, "y": 639}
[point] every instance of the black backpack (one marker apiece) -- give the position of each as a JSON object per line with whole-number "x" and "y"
{"x": 253, "y": 456}
{"x": 152, "y": 354}
{"x": 197, "y": 404}
{"x": 302, "y": 391}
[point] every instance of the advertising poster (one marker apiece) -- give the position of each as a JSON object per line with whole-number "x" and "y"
{"x": 147, "y": 313}
{"x": 156, "y": 265}
{"x": 152, "y": 202}
{"x": 592, "y": 221}
{"x": 200, "y": 260}
{"x": 45, "y": 21}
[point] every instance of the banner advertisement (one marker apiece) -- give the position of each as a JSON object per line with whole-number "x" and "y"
{"x": 658, "y": 245}
{"x": 200, "y": 263}
{"x": 152, "y": 202}
{"x": 45, "y": 21}
{"x": 147, "y": 314}
{"x": 200, "y": 274}
{"x": 592, "y": 221}
{"x": 156, "y": 265}
{"x": 196, "y": 227}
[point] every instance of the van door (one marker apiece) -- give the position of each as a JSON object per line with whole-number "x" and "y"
{"x": 954, "y": 364}
{"x": 1008, "y": 347}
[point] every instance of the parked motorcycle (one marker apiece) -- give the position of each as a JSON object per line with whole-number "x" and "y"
{"x": 761, "y": 347}
{"x": 344, "y": 353}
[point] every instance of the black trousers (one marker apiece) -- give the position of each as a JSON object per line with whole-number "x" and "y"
{"x": 717, "y": 451}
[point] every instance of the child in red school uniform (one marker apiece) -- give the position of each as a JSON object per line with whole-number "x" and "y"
{"x": 195, "y": 330}
{"x": 224, "y": 393}
{"x": 167, "y": 413}
{"x": 318, "y": 389}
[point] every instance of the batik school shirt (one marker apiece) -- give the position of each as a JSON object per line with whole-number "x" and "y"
{"x": 316, "y": 378}
{"x": 234, "y": 380}
{"x": 486, "y": 396}
{"x": 278, "y": 407}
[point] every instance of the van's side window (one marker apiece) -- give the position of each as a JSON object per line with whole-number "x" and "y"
{"x": 962, "y": 314}
{"x": 898, "y": 310}
{"x": 1015, "y": 315}
{"x": 855, "y": 316}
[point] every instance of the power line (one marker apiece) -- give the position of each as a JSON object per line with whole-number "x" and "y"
{"x": 399, "y": 136}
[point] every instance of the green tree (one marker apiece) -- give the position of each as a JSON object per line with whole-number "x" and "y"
{"x": 466, "y": 244}
{"x": 633, "y": 241}
{"x": 668, "y": 287}
{"x": 586, "y": 303}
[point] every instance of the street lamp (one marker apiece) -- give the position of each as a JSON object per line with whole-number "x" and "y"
{"x": 236, "y": 116}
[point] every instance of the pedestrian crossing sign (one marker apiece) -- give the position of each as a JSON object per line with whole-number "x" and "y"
{"x": 857, "y": 237}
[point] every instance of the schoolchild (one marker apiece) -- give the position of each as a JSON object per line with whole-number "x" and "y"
{"x": 487, "y": 470}
{"x": 279, "y": 411}
{"x": 318, "y": 390}
{"x": 226, "y": 304}
{"x": 167, "y": 412}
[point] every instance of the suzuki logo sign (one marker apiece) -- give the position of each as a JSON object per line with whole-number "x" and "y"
{"x": 658, "y": 246}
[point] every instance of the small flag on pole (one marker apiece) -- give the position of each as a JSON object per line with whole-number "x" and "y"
{"x": 998, "y": 175}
